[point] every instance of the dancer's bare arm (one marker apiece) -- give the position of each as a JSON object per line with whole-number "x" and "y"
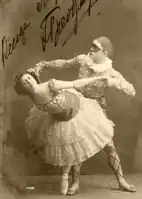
{"x": 58, "y": 84}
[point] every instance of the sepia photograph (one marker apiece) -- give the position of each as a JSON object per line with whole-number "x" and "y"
{"x": 71, "y": 99}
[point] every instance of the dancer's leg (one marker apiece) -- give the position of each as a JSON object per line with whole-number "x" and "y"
{"x": 64, "y": 179}
{"x": 114, "y": 163}
{"x": 75, "y": 179}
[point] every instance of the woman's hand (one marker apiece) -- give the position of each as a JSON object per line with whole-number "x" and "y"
{"x": 33, "y": 70}
{"x": 40, "y": 66}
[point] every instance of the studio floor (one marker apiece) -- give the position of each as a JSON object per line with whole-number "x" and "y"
{"x": 91, "y": 187}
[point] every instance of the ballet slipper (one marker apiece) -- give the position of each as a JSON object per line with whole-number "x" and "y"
{"x": 124, "y": 186}
{"x": 74, "y": 189}
{"x": 64, "y": 185}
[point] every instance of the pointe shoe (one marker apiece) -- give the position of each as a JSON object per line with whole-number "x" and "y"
{"x": 64, "y": 185}
{"x": 74, "y": 189}
{"x": 124, "y": 186}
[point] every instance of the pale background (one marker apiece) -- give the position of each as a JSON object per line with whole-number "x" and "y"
{"x": 121, "y": 21}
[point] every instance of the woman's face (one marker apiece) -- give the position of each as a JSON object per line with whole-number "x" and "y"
{"x": 28, "y": 81}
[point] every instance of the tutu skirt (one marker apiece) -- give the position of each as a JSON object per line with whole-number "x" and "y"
{"x": 70, "y": 142}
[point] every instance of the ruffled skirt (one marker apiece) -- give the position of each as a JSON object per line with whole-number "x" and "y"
{"x": 70, "y": 142}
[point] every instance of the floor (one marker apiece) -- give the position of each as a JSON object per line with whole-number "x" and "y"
{"x": 91, "y": 187}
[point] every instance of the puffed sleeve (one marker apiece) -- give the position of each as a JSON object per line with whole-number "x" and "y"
{"x": 118, "y": 81}
{"x": 58, "y": 64}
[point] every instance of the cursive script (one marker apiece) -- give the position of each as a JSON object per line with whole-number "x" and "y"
{"x": 81, "y": 19}
{"x": 42, "y": 4}
{"x": 8, "y": 46}
{"x": 52, "y": 30}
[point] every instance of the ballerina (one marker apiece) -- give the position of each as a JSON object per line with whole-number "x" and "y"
{"x": 61, "y": 124}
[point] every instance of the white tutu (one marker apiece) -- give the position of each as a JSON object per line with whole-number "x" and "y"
{"x": 70, "y": 142}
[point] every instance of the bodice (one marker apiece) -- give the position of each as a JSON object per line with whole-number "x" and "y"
{"x": 63, "y": 106}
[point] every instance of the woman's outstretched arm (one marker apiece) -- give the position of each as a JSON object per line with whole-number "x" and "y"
{"x": 58, "y": 84}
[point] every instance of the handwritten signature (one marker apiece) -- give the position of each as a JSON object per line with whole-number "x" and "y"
{"x": 50, "y": 26}
{"x": 42, "y": 4}
{"x": 8, "y": 46}
{"x": 56, "y": 26}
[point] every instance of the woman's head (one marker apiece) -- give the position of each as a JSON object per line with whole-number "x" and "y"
{"x": 101, "y": 47}
{"x": 25, "y": 82}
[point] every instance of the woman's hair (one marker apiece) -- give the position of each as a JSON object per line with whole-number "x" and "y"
{"x": 106, "y": 44}
{"x": 18, "y": 87}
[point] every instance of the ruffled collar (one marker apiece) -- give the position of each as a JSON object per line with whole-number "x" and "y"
{"x": 106, "y": 65}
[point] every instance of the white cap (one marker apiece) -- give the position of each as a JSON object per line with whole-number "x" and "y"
{"x": 98, "y": 44}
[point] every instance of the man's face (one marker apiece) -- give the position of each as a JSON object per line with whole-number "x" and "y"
{"x": 96, "y": 51}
